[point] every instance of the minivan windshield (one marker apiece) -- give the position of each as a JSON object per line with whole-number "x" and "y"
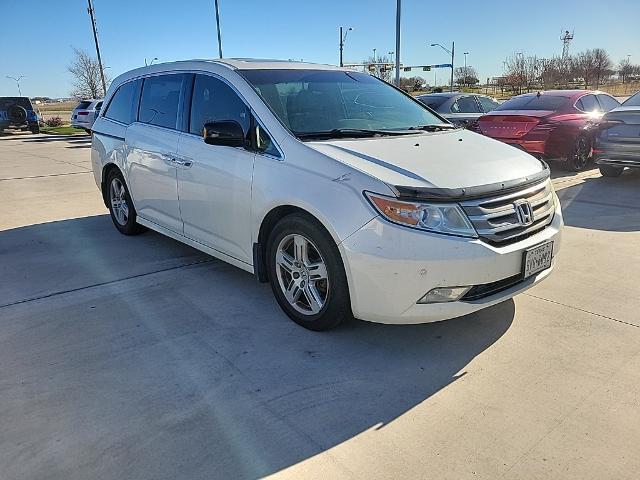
{"x": 338, "y": 103}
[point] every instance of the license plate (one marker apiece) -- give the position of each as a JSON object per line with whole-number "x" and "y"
{"x": 537, "y": 259}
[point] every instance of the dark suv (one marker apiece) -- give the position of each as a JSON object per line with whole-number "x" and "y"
{"x": 18, "y": 112}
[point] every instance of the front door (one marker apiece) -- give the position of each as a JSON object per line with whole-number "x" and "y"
{"x": 214, "y": 182}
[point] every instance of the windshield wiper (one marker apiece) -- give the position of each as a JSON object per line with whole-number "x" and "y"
{"x": 348, "y": 132}
{"x": 436, "y": 127}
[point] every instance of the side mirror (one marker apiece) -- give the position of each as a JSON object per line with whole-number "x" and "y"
{"x": 226, "y": 133}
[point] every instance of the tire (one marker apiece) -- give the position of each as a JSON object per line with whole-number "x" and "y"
{"x": 579, "y": 155}
{"x": 35, "y": 129}
{"x": 123, "y": 213}
{"x": 318, "y": 294}
{"x": 610, "y": 170}
{"x": 17, "y": 114}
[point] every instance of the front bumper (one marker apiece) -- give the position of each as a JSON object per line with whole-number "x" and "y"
{"x": 390, "y": 267}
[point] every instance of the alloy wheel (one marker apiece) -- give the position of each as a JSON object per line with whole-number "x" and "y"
{"x": 118, "y": 199}
{"x": 302, "y": 274}
{"x": 581, "y": 153}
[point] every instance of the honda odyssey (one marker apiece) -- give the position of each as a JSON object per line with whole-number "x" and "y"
{"x": 347, "y": 195}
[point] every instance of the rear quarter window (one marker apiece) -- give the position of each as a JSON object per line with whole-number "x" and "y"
{"x": 123, "y": 104}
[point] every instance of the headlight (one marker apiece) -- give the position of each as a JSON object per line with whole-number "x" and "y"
{"x": 445, "y": 218}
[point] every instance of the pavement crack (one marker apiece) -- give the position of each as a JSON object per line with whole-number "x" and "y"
{"x": 582, "y": 310}
{"x": 99, "y": 284}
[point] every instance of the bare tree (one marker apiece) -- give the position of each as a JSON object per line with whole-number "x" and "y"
{"x": 381, "y": 71}
{"x": 86, "y": 76}
{"x": 411, "y": 84}
{"x": 625, "y": 68}
{"x": 584, "y": 66}
{"x": 466, "y": 76}
{"x": 601, "y": 65}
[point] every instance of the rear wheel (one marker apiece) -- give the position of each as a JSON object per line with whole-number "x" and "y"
{"x": 306, "y": 274}
{"x": 610, "y": 170}
{"x": 35, "y": 129}
{"x": 579, "y": 155}
{"x": 123, "y": 213}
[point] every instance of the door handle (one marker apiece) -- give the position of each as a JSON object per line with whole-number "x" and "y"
{"x": 182, "y": 162}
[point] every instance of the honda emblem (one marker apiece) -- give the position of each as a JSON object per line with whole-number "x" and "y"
{"x": 524, "y": 212}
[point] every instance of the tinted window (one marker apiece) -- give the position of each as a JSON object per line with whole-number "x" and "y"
{"x": 607, "y": 103}
{"x": 465, "y": 105}
{"x": 588, "y": 103}
{"x": 24, "y": 102}
{"x": 214, "y": 100}
{"x": 535, "y": 102}
{"x": 633, "y": 101}
{"x": 121, "y": 107}
{"x": 317, "y": 101}
{"x": 433, "y": 101}
{"x": 83, "y": 105}
{"x": 487, "y": 104}
{"x": 160, "y": 100}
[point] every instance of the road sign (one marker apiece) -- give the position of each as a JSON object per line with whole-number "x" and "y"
{"x": 427, "y": 68}
{"x": 407, "y": 69}
{"x": 442, "y": 65}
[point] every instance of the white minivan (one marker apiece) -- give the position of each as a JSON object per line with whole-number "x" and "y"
{"x": 347, "y": 195}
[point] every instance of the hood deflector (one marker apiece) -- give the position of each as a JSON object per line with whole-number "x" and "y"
{"x": 480, "y": 191}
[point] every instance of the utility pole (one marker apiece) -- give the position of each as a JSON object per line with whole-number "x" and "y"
{"x": 343, "y": 38}
{"x": 17, "y": 80}
{"x": 398, "y": 43}
{"x": 218, "y": 27}
{"x": 465, "y": 68}
{"x": 95, "y": 38}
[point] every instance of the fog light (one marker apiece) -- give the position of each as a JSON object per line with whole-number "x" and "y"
{"x": 444, "y": 294}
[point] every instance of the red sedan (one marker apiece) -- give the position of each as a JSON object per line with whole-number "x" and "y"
{"x": 551, "y": 124}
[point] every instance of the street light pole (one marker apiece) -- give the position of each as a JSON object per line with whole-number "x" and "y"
{"x": 453, "y": 55}
{"x": 451, "y": 52}
{"x": 17, "y": 80}
{"x": 95, "y": 38}
{"x": 218, "y": 27}
{"x": 343, "y": 38}
{"x": 465, "y": 68}
{"x": 398, "y": 43}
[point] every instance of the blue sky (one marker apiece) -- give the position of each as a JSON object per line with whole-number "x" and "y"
{"x": 38, "y": 43}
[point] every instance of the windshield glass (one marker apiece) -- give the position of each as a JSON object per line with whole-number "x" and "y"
{"x": 535, "y": 102}
{"x": 633, "y": 101}
{"x": 309, "y": 101}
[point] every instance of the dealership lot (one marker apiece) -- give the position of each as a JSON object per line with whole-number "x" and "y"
{"x": 139, "y": 357}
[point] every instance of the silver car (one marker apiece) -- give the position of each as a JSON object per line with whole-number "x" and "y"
{"x": 461, "y": 109}
{"x": 86, "y": 113}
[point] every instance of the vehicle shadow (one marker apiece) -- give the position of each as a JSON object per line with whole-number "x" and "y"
{"x": 150, "y": 359}
{"x": 604, "y": 203}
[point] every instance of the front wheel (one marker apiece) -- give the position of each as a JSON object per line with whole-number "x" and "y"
{"x": 123, "y": 213}
{"x": 306, "y": 274}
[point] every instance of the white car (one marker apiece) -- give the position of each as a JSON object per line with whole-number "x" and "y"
{"x": 85, "y": 113}
{"x": 347, "y": 195}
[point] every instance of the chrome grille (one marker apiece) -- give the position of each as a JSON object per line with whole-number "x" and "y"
{"x": 496, "y": 220}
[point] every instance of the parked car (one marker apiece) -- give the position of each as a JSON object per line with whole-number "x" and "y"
{"x": 86, "y": 113}
{"x": 19, "y": 113}
{"x": 462, "y": 109}
{"x": 617, "y": 142}
{"x": 550, "y": 125}
{"x": 346, "y": 194}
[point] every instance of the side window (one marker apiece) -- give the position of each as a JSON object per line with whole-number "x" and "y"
{"x": 607, "y": 103}
{"x": 214, "y": 100}
{"x": 97, "y": 108}
{"x": 465, "y": 105}
{"x": 160, "y": 100}
{"x": 588, "y": 104}
{"x": 122, "y": 105}
{"x": 487, "y": 104}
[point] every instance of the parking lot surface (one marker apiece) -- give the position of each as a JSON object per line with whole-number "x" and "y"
{"x": 139, "y": 357}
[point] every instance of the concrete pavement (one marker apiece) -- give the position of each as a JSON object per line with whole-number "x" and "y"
{"x": 138, "y": 357}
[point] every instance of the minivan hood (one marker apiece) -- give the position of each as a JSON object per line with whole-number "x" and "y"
{"x": 454, "y": 159}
